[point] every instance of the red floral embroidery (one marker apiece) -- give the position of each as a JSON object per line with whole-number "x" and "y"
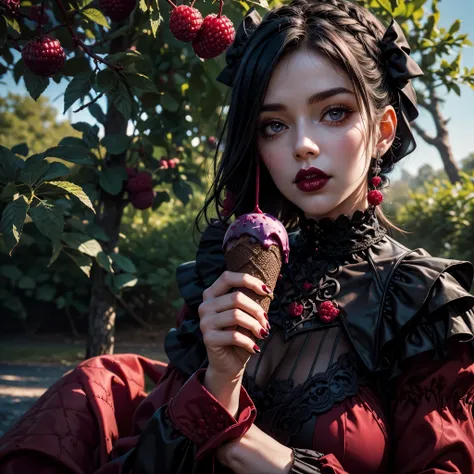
{"x": 295, "y": 309}
{"x": 328, "y": 311}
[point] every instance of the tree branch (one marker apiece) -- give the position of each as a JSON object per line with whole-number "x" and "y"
{"x": 427, "y": 138}
{"x": 89, "y": 103}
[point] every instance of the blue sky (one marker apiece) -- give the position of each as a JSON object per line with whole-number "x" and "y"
{"x": 458, "y": 109}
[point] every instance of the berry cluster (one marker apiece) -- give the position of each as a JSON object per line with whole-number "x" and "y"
{"x": 140, "y": 188}
{"x": 166, "y": 163}
{"x": 210, "y": 36}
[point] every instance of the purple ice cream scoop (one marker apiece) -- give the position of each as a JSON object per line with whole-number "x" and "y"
{"x": 265, "y": 228}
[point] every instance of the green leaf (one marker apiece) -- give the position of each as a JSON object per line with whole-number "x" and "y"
{"x": 106, "y": 80}
{"x": 116, "y": 144}
{"x": 73, "y": 141}
{"x": 122, "y": 100}
{"x": 83, "y": 3}
{"x": 170, "y": 103}
{"x": 83, "y": 243}
{"x": 26, "y": 283}
{"x": 57, "y": 247}
{"x": 56, "y": 170}
{"x": 9, "y": 191}
{"x": 75, "y": 66}
{"x": 82, "y": 261}
{"x": 3, "y": 30}
{"x": 97, "y": 232}
{"x": 96, "y": 16}
{"x": 12, "y": 272}
{"x": 35, "y": 167}
{"x": 75, "y": 190}
{"x": 89, "y": 133}
{"x": 155, "y": 21}
{"x": 455, "y": 27}
{"x": 125, "y": 280}
{"x": 21, "y": 149}
{"x": 45, "y": 293}
{"x": 79, "y": 86}
{"x": 48, "y": 219}
{"x": 97, "y": 113}
{"x": 18, "y": 70}
{"x": 35, "y": 84}
{"x": 456, "y": 88}
{"x": 13, "y": 23}
{"x": 13, "y": 218}
{"x": 140, "y": 84}
{"x": 183, "y": 191}
{"x": 105, "y": 262}
{"x": 124, "y": 263}
{"x": 73, "y": 154}
{"x": 10, "y": 165}
{"x": 111, "y": 180}
{"x": 160, "y": 198}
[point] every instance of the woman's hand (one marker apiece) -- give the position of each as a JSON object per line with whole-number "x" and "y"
{"x": 255, "y": 452}
{"x": 230, "y": 323}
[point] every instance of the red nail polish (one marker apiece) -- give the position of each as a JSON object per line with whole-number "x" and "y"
{"x": 268, "y": 327}
{"x": 266, "y": 288}
{"x": 264, "y": 333}
{"x": 266, "y": 316}
{"x": 256, "y": 349}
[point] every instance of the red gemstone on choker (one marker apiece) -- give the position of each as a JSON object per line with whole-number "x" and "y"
{"x": 307, "y": 286}
{"x": 295, "y": 309}
{"x": 328, "y": 311}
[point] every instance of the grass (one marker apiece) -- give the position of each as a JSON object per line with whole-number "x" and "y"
{"x": 58, "y": 349}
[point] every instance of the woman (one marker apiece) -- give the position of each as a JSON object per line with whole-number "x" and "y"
{"x": 364, "y": 362}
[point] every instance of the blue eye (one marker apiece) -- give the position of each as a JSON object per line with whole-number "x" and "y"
{"x": 271, "y": 129}
{"x": 337, "y": 114}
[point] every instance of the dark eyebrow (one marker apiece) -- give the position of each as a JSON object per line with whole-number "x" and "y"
{"x": 318, "y": 97}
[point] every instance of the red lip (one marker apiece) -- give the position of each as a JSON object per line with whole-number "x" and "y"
{"x": 309, "y": 184}
{"x": 318, "y": 174}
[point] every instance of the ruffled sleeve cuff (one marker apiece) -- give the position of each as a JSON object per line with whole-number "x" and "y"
{"x": 307, "y": 461}
{"x": 196, "y": 413}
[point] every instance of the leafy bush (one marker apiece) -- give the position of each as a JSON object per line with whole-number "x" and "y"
{"x": 441, "y": 218}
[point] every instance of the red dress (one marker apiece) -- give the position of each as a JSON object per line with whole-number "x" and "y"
{"x": 385, "y": 388}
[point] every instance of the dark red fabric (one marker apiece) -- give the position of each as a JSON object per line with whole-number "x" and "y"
{"x": 93, "y": 415}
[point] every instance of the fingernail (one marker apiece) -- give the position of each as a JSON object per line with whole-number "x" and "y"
{"x": 268, "y": 326}
{"x": 256, "y": 349}
{"x": 266, "y": 289}
{"x": 266, "y": 316}
{"x": 264, "y": 333}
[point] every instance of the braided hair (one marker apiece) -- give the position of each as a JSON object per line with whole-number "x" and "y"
{"x": 349, "y": 36}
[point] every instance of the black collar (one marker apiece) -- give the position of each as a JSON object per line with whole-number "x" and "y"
{"x": 343, "y": 235}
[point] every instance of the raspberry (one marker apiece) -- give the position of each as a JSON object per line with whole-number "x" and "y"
{"x": 295, "y": 309}
{"x": 12, "y": 6}
{"x": 117, "y": 10}
{"x": 375, "y": 198}
{"x": 163, "y": 164}
{"x": 212, "y": 140}
{"x": 215, "y": 36}
{"x": 185, "y": 23}
{"x": 141, "y": 182}
{"x": 143, "y": 199}
{"x": 131, "y": 172}
{"x": 44, "y": 55}
{"x": 376, "y": 180}
{"x": 328, "y": 311}
{"x": 173, "y": 162}
{"x": 34, "y": 14}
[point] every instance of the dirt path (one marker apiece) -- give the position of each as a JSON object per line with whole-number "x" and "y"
{"x": 20, "y": 387}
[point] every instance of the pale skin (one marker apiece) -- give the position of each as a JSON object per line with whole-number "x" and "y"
{"x": 299, "y": 130}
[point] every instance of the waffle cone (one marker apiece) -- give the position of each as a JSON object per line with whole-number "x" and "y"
{"x": 245, "y": 256}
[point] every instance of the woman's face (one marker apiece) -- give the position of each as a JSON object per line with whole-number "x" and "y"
{"x": 310, "y": 119}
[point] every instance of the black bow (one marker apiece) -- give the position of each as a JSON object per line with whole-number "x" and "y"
{"x": 400, "y": 69}
{"x": 236, "y": 50}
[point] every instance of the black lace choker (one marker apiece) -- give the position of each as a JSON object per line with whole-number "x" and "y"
{"x": 342, "y": 235}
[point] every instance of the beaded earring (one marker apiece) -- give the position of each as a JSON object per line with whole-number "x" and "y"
{"x": 374, "y": 196}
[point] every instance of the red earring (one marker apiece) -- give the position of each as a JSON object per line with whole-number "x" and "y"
{"x": 375, "y": 197}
